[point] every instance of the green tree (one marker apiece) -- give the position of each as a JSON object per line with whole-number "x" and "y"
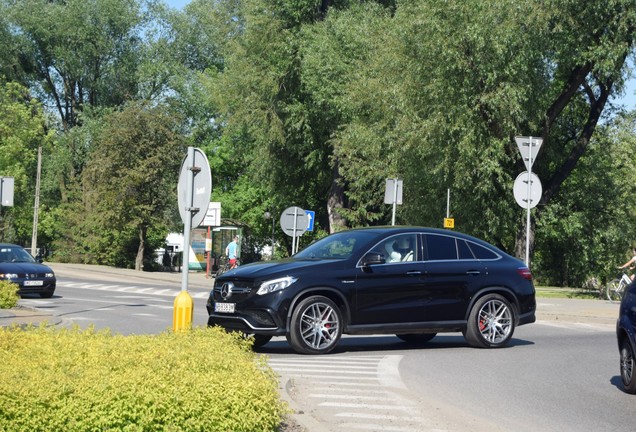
{"x": 76, "y": 53}
{"x": 23, "y": 128}
{"x": 586, "y": 230}
{"x": 129, "y": 185}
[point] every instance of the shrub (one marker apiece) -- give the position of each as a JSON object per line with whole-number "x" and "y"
{"x": 73, "y": 380}
{"x": 8, "y": 294}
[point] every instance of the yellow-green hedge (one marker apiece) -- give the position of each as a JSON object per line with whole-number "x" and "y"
{"x": 8, "y": 294}
{"x": 74, "y": 380}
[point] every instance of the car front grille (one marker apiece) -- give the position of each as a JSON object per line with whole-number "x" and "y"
{"x": 232, "y": 291}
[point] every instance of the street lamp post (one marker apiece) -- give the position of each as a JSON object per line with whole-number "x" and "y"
{"x": 268, "y": 215}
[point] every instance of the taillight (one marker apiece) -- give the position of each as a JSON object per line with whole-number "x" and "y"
{"x": 524, "y": 272}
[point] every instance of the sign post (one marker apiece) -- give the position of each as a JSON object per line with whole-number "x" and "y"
{"x": 212, "y": 218}
{"x": 393, "y": 195}
{"x": 195, "y": 185}
{"x": 529, "y": 147}
{"x": 294, "y": 221}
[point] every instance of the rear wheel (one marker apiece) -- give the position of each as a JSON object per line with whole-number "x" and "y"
{"x": 416, "y": 337}
{"x": 627, "y": 367}
{"x": 316, "y": 326}
{"x": 491, "y": 322}
{"x": 614, "y": 292}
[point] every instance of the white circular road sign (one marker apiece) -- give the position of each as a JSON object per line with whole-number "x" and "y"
{"x": 521, "y": 190}
{"x": 294, "y": 221}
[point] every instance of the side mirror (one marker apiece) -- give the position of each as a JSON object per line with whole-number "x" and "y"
{"x": 372, "y": 258}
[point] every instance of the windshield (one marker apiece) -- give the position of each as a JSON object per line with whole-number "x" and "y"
{"x": 14, "y": 254}
{"x": 341, "y": 245}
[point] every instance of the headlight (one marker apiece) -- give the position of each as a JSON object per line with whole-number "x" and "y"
{"x": 8, "y": 276}
{"x": 49, "y": 275}
{"x": 276, "y": 285}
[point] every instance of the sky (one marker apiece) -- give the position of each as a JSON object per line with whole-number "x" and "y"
{"x": 177, "y": 4}
{"x": 628, "y": 99}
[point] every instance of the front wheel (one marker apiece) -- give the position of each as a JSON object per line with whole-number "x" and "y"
{"x": 614, "y": 291}
{"x": 491, "y": 322}
{"x": 316, "y": 326}
{"x": 627, "y": 367}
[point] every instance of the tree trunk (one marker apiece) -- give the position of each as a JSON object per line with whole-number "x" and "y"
{"x": 139, "y": 261}
{"x": 335, "y": 201}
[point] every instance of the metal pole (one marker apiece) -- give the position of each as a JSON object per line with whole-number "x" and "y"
{"x": 294, "y": 241}
{"x": 448, "y": 203}
{"x": 36, "y": 206}
{"x": 272, "y": 234}
{"x": 395, "y": 189}
{"x": 207, "y": 261}
{"x": 528, "y": 203}
{"x": 188, "y": 221}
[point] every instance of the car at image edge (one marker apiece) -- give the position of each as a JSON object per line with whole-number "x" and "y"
{"x": 625, "y": 327}
{"x": 409, "y": 281}
{"x": 32, "y": 277}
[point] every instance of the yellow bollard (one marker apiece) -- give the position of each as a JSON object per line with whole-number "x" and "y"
{"x": 183, "y": 309}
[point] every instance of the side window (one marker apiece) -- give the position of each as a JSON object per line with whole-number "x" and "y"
{"x": 440, "y": 247}
{"x": 399, "y": 248}
{"x": 482, "y": 252}
{"x": 464, "y": 251}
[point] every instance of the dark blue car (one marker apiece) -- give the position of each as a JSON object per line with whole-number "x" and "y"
{"x": 625, "y": 327}
{"x": 409, "y": 281}
{"x": 31, "y": 276}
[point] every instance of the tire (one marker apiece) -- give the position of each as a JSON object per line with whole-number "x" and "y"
{"x": 46, "y": 294}
{"x": 614, "y": 293}
{"x": 416, "y": 337}
{"x": 316, "y": 326}
{"x": 260, "y": 340}
{"x": 628, "y": 374}
{"x": 491, "y": 322}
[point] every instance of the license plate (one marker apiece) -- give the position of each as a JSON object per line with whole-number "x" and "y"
{"x": 224, "y": 307}
{"x": 33, "y": 283}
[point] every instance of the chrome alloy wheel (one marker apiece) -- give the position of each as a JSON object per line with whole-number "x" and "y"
{"x": 627, "y": 367}
{"x": 495, "y": 321}
{"x": 319, "y": 326}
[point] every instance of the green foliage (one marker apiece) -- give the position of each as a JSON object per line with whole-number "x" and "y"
{"x": 8, "y": 294}
{"x": 204, "y": 379}
{"x": 587, "y": 231}
{"x": 76, "y": 53}
{"x": 315, "y": 104}
{"x": 23, "y": 128}
{"x": 128, "y": 187}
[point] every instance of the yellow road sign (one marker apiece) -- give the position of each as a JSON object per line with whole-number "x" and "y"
{"x": 449, "y": 223}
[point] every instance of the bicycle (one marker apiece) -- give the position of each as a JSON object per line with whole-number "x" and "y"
{"x": 225, "y": 265}
{"x": 616, "y": 288}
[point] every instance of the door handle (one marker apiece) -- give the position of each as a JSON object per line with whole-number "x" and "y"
{"x": 473, "y": 272}
{"x": 414, "y": 273}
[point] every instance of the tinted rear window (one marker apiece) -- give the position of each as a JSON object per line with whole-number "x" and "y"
{"x": 482, "y": 252}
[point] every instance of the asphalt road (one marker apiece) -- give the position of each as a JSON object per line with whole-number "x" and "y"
{"x": 560, "y": 374}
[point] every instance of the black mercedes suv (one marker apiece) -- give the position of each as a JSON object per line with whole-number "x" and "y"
{"x": 409, "y": 281}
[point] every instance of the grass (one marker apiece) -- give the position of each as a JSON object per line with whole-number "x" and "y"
{"x": 577, "y": 293}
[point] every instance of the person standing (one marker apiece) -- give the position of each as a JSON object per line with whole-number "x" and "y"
{"x": 231, "y": 251}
